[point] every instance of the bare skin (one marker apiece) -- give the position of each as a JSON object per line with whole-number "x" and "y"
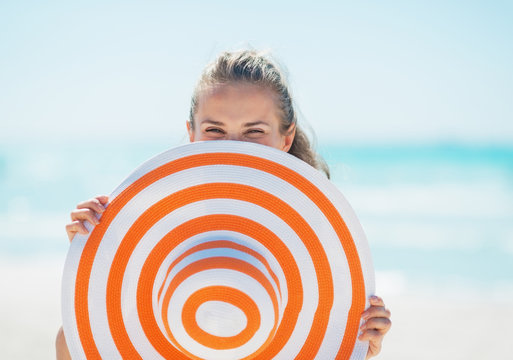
{"x": 242, "y": 112}
{"x": 377, "y": 324}
{"x": 61, "y": 346}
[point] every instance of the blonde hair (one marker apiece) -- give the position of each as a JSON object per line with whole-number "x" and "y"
{"x": 256, "y": 68}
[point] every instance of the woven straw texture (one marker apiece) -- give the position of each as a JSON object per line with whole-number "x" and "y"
{"x": 219, "y": 250}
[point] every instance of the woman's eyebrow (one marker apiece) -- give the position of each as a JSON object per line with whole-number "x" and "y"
{"x": 213, "y": 122}
{"x": 255, "y": 123}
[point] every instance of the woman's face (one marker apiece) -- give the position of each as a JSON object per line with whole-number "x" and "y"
{"x": 242, "y": 112}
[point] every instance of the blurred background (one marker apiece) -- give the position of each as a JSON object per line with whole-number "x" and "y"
{"x": 411, "y": 102}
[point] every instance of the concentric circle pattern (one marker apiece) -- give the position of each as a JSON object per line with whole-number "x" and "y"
{"x": 219, "y": 250}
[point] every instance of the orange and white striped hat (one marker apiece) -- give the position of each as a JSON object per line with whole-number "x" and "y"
{"x": 220, "y": 250}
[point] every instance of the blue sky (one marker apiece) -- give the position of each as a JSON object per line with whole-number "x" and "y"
{"x": 361, "y": 71}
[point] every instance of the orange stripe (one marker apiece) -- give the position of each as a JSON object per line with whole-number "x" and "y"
{"x": 91, "y": 246}
{"x": 218, "y": 244}
{"x": 211, "y": 223}
{"x": 227, "y": 295}
{"x": 221, "y": 190}
{"x": 219, "y": 262}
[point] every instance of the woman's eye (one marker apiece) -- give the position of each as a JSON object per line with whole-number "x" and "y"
{"x": 255, "y": 131}
{"x": 214, "y": 130}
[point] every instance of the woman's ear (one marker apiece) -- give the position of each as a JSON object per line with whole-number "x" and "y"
{"x": 288, "y": 138}
{"x": 190, "y": 131}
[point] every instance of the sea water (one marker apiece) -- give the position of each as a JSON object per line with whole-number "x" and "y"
{"x": 439, "y": 214}
{"x": 434, "y": 214}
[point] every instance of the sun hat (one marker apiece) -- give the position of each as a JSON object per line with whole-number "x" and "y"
{"x": 219, "y": 250}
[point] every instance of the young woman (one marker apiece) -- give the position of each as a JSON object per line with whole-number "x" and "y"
{"x": 243, "y": 96}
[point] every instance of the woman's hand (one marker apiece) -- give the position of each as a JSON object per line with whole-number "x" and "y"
{"x": 87, "y": 210}
{"x": 376, "y": 325}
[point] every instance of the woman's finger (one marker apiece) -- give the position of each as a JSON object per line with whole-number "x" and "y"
{"x": 93, "y": 204}
{"x": 376, "y": 311}
{"x": 86, "y": 211}
{"x": 380, "y": 324}
{"x": 371, "y": 335}
{"x": 85, "y": 214}
{"x": 377, "y": 324}
{"x": 376, "y": 301}
{"x": 74, "y": 227}
{"x": 104, "y": 199}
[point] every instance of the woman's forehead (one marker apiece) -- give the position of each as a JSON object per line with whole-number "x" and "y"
{"x": 237, "y": 101}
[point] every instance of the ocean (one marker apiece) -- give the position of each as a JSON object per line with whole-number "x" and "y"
{"x": 435, "y": 214}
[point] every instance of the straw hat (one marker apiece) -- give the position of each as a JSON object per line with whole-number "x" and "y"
{"x": 219, "y": 250}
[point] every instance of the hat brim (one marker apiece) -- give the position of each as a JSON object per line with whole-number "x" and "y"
{"x": 220, "y": 250}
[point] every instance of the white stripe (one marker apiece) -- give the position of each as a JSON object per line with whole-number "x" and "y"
{"x": 69, "y": 321}
{"x": 236, "y": 147}
{"x": 230, "y": 278}
{"x": 226, "y": 173}
{"x": 221, "y": 319}
{"x": 224, "y": 252}
{"x": 204, "y": 237}
{"x": 224, "y": 206}
{"x": 223, "y": 173}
